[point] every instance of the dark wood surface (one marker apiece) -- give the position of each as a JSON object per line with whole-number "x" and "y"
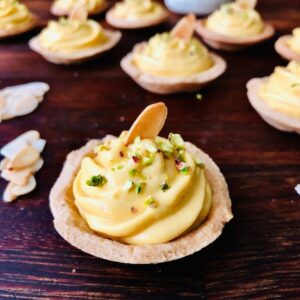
{"x": 258, "y": 255}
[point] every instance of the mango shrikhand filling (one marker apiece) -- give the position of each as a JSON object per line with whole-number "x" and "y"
{"x": 167, "y": 55}
{"x": 14, "y": 15}
{"x": 69, "y": 36}
{"x": 234, "y": 21}
{"x": 69, "y": 5}
{"x": 151, "y": 191}
{"x": 294, "y": 41}
{"x": 137, "y": 9}
{"x": 282, "y": 90}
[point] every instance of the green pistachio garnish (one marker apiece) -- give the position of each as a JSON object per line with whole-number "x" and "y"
{"x": 150, "y": 202}
{"x": 133, "y": 172}
{"x": 185, "y": 170}
{"x": 150, "y": 147}
{"x": 97, "y": 180}
{"x": 177, "y": 141}
{"x": 138, "y": 187}
{"x": 199, "y": 163}
{"x": 120, "y": 167}
{"x": 295, "y": 84}
{"x": 128, "y": 185}
{"x": 148, "y": 160}
{"x": 164, "y": 186}
{"x": 199, "y": 96}
{"x": 181, "y": 156}
{"x": 164, "y": 146}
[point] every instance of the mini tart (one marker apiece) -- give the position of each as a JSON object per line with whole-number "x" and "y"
{"x": 168, "y": 85}
{"x": 6, "y": 33}
{"x": 222, "y": 42}
{"x": 60, "y": 11}
{"x": 274, "y": 118}
{"x": 284, "y": 50}
{"x": 72, "y": 227}
{"x": 79, "y": 56}
{"x": 117, "y": 22}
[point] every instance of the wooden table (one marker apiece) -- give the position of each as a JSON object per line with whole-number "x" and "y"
{"x": 258, "y": 255}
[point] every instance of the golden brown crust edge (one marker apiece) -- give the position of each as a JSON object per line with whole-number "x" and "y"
{"x": 163, "y": 86}
{"x": 56, "y": 11}
{"x": 284, "y": 50}
{"x": 222, "y": 42}
{"x": 82, "y": 56}
{"x": 70, "y": 225}
{"x": 274, "y": 118}
{"x": 142, "y": 23}
{"x": 13, "y": 32}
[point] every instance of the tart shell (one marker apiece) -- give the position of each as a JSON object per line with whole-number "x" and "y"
{"x": 284, "y": 50}
{"x": 57, "y": 11}
{"x": 276, "y": 119}
{"x": 169, "y": 85}
{"x": 73, "y": 228}
{"x": 141, "y": 23}
{"x": 222, "y": 42}
{"x": 13, "y": 32}
{"x": 81, "y": 56}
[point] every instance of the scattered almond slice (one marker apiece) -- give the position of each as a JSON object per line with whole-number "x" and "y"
{"x": 21, "y": 100}
{"x": 297, "y": 189}
{"x": 20, "y": 190}
{"x": 17, "y": 177}
{"x": 8, "y": 195}
{"x": 24, "y": 158}
{"x": 79, "y": 13}
{"x": 247, "y": 4}
{"x": 184, "y": 29}
{"x": 149, "y": 123}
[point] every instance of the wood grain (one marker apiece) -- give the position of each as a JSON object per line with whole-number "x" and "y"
{"x": 258, "y": 255}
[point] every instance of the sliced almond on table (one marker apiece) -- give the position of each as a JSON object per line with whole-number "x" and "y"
{"x": 24, "y": 158}
{"x": 79, "y": 13}
{"x": 37, "y": 166}
{"x": 22, "y": 106}
{"x": 19, "y": 177}
{"x": 19, "y": 190}
{"x": 184, "y": 29}
{"x": 39, "y": 145}
{"x": 149, "y": 123}
{"x": 247, "y": 4}
{"x": 8, "y": 195}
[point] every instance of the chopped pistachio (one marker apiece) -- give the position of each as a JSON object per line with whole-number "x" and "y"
{"x": 150, "y": 202}
{"x": 97, "y": 180}
{"x": 138, "y": 187}
{"x": 199, "y": 163}
{"x": 164, "y": 186}
{"x": 113, "y": 169}
{"x": 185, "y": 170}
{"x": 133, "y": 172}
{"x": 177, "y": 141}
{"x": 150, "y": 147}
{"x": 128, "y": 185}
{"x": 120, "y": 167}
{"x": 181, "y": 155}
{"x": 295, "y": 84}
{"x": 148, "y": 160}
{"x": 164, "y": 146}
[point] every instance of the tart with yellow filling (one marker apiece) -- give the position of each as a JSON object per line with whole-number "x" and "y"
{"x": 173, "y": 61}
{"x": 15, "y": 18}
{"x": 132, "y": 14}
{"x": 277, "y": 97}
{"x": 234, "y": 26}
{"x": 288, "y": 46}
{"x": 140, "y": 198}
{"x": 74, "y": 40}
{"x": 65, "y": 7}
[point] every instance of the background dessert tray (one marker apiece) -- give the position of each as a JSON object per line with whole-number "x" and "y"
{"x": 257, "y": 256}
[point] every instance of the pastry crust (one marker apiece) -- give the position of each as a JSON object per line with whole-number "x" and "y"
{"x": 72, "y": 227}
{"x": 57, "y": 11}
{"x": 78, "y": 57}
{"x": 129, "y": 24}
{"x": 169, "y": 85}
{"x": 284, "y": 50}
{"x": 223, "y": 42}
{"x": 16, "y": 31}
{"x": 276, "y": 119}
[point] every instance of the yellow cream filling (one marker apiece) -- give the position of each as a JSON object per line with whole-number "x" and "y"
{"x": 282, "y": 90}
{"x": 69, "y": 5}
{"x": 166, "y": 55}
{"x": 13, "y": 15}
{"x": 294, "y": 41}
{"x": 69, "y": 36}
{"x": 137, "y": 9}
{"x": 146, "y": 194}
{"x": 234, "y": 21}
